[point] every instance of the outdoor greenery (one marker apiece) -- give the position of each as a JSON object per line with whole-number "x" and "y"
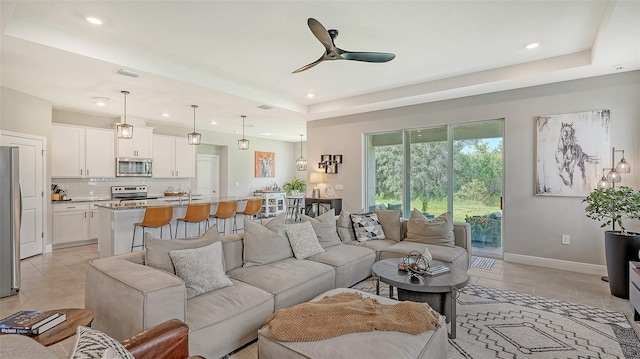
{"x": 477, "y": 177}
{"x": 611, "y": 205}
{"x": 296, "y": 185}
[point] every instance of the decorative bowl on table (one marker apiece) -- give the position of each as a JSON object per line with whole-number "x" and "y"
{"x": 414, "y": 263}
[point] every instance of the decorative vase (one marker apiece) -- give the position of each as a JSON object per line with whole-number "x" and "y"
{"x": 619, "y": 250}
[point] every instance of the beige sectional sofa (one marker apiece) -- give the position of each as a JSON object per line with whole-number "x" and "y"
{"x": 127, "y": 296}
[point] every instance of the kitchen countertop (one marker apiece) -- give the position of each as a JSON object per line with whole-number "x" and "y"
{"x": 172, "y": 201}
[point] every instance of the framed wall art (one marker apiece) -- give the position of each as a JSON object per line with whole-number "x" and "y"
{"x": 571, "y": 151}
{"x": 265, "y": 164}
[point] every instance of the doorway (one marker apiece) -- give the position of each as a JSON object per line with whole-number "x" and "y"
{"x": 208, "y": 175}
{"x": 31, "y": 183}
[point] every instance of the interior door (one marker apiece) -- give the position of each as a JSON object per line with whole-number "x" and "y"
{"x": 31, "y": 181}
{"x": 208, "y": 175}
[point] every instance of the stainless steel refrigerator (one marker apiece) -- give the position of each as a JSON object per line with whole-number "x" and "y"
{"x": 10, "y": 217}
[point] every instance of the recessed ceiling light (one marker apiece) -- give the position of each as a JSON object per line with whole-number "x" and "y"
{"x": 165, "y": 114}
{"x": 100, "y": 101}
{"x": 310, "y": 95}
{"x": 618, "y": 67}
{"x": 213, "y": 122}
{"x": 531, "y": 45}
{"x": 101, "y": 104}
{"x": 94, "y": 20}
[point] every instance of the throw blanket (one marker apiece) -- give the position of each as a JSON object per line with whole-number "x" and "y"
{"x": 349, "y": 313}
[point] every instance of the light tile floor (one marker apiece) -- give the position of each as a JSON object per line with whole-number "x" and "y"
{"x": 56, "y": 280}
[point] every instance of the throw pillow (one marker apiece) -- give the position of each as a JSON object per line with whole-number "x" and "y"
{"x": 91, "y": 343}
{"x": 110, "y": 354}
{"x": 436, "y": 231}
{"x": 325, "y": 228}
{"x": 345, "y": 227}
{"x": 265, "y": 244}
{"x": 200, "y": 268}
{"x": 390, "y": 221}
{"x": 303, "y": 239}
{"x": 367, "y": 226}
{"x": 157, "y": 255}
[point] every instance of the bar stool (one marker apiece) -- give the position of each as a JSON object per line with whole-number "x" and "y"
{"x": 226, "y": 209}
{"x": 154, "y": 217}
{"x": 252, "y": 208}
{"x": 196, "y": 213}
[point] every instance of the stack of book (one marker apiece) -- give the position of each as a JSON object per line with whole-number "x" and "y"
{"x": 31, "y": 322}
{"x": 437, "y": 268}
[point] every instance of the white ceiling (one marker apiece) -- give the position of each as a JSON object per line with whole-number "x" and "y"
{"x": 229, "y": 57}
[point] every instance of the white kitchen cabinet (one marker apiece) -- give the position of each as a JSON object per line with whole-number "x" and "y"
{"x": 94, "y": 221}
{"x": 82, "y": 152}
{"x": 70, "y": 223}
{"x": 273, "y": 203}
{"x": 139, "y": 146}
{"x": 173, "y": 157}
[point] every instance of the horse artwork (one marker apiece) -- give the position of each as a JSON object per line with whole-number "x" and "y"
{"x": 265, "y": 164}
{"x": 569, "y": 152}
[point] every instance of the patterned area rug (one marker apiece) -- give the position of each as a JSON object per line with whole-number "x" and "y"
{"x": 482, "y": 263}
{"x": 497, "y": 323}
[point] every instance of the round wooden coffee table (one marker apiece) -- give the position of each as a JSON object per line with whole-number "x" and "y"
{"x": 438, "y": 290}
{"x": 75, "y": 317}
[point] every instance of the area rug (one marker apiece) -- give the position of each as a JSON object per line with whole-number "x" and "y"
{"x": 482, "y": 263}
{"x": 497, "y": 323}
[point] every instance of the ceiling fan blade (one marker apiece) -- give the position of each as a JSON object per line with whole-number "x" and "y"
{"x": 320, "y": 33}
{"x": 307, "y": 67}
{"x": 367, "y": 56}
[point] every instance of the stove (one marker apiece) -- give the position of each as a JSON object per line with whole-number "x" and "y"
{"x": 130, "y": 203}
{"x": 127, "y": 194}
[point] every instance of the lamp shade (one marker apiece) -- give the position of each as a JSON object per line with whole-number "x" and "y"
{"x": 623, "y": 166}
{"x": 315, "y": 177}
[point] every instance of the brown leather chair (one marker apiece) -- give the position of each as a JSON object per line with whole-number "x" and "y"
{"x": 196, "y": 213}
{"x": 226, "y": 209}
{"x": 253, "y": 207}
{"x": 168, "y": 340}
{"x": 154, "y": 217}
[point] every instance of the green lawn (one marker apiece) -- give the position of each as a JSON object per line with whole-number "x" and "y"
{"x": 461, "y": 208}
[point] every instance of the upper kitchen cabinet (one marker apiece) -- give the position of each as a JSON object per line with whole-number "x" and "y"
{"x": 140, "y": 146}
{"x": 82, "y": 152}
{"x": 173, "y": 157}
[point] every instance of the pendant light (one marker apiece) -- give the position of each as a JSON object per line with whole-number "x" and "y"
{"x": 125, "y": 131}
{"x": 194, "y": 137}
{"x": 243, "y": 144}
{"x": 301, "y": 163}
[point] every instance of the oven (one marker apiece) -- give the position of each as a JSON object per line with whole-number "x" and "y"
{"x": 136, "y": 195}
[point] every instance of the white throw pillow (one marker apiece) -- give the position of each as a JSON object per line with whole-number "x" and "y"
{"x": 367, "y": 226}
{"x": 303, "y": 239}
{"x": 200, "y": 268}
{"x": 345, "y": 227}
{"x": 91, "y": 344}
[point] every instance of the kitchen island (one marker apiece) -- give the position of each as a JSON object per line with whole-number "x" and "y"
{"x": 117, "y": 220}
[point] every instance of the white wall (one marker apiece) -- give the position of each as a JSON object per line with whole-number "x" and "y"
{"x": 532, "y": 225}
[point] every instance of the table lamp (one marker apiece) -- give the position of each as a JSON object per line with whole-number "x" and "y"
{"x": 315, "y": 178}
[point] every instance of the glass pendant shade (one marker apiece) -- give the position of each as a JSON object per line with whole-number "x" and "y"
{"x": 613, "y": 176}
{"x": 603, "y": 183}
{"x": 125, "y": 131}
{"x": 194, "y": 137}
{"x": 623, "y": 166}
{"x": 301, "y": 163}
{"x": 243, "y": 144}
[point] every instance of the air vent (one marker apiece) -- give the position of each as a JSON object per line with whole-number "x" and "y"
{"x": 128, "y": 72}
{"x": 265, "y": 107}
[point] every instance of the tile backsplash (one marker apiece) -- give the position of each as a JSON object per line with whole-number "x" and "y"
{"x": 82, "y": 188}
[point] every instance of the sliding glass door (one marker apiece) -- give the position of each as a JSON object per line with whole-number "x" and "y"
{"x": 456, "y": 168}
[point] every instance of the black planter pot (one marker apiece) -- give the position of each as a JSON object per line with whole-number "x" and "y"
{"x": 620, "y": 249}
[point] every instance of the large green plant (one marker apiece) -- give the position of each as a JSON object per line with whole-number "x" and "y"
{"x": 295, "y": 185}
{"x": 611, "y": 205}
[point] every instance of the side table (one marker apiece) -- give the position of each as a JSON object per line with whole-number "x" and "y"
{"x": 634, "y": 289}
{"x": 75, "y": 317}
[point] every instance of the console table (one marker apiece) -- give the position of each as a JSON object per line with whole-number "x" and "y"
{"x": 312, "y": 205}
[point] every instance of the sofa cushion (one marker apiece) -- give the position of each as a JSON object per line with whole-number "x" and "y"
{"x": 390, "y": 221}
{"x": 265, "y": 244}
{"x": 200, "y": 268}
{"x": 367, "y": 226}
{"x": 325, "y": 227}
{"x": 345, "y": 227}
{"x": 158, "y": 249}
{"x": 436, "y": 231}
{"x": 303, "y": 239}
{"x": 352, "y": 263}
{"x": 456, "y": 256}
{"x": 91, "y": 343}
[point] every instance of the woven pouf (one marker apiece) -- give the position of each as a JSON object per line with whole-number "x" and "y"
{"x": 376, "y": 344}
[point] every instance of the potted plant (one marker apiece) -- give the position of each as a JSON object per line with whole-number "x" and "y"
{"x": 294, "y": 186}
{"x": 612, "y": 206}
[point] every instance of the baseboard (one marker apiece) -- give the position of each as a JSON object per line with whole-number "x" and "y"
{"x": 556, "y": 263}
{"x": 75, "y": 244}
{"x": 48, "y": 248}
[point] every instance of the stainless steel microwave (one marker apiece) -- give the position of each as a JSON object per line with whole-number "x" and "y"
{"x": 134, "y": 167}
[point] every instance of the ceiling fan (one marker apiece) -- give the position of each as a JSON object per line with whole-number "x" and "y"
{"x": 335, "y": 53}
